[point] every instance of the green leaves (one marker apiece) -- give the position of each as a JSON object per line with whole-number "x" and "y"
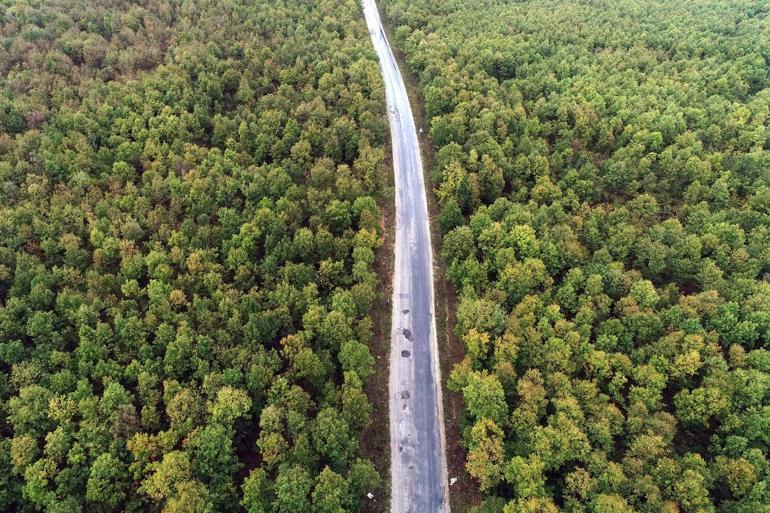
{"x": 107, "y": 482}
{"x": 254, "y": 492}
{"x": 231, "y": 404}
{"x": 355, "y": 357}
{"x": 484, "y": 398}
{"x": 485, "y": 454}
{"x": 187, "y": 255}
{"x": 607, "y": 238}
{"x": 292, "y": 489}
{"x": 644, "y": 294}
{"x": 331, "y": 437}
{"x": 695, "y": 408}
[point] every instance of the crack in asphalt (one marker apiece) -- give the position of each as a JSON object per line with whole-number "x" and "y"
{"x": 418, "y": 462}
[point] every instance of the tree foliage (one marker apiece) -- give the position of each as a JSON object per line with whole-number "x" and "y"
{"x": 188, "y": 218}
{"x": 602, "y": 170}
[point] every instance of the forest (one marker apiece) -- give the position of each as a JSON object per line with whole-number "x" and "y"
{"x": 603, "y": 174}
{"x": 189, "y": 209}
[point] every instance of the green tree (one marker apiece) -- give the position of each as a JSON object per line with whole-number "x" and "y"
{"x": 292, "y": 490}
{"x": 330, "y": 494}
{"x": 254, "y": 492}
{"x": 331, "y": 437}
{"x": 485, "y": 455}
{"x": 107, "y": 482}
{"x": 485, "y": 398}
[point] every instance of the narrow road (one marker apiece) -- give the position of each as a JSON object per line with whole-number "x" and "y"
{"x": 418, "y": 462}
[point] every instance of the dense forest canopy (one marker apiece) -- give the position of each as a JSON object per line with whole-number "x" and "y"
{"x": 188, "y": 219}
{"x": 603, "y": 171}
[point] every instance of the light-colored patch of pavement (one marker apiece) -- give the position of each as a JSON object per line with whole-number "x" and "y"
{"x": 418, "y": 461}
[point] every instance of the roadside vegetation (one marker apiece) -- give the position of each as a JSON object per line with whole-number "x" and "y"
{"x": 603, "y": 172}
{"x": 188, "y": 220}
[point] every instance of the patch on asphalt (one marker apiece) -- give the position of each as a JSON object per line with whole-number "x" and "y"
{"x": 405, "y": 353}
{"x": 407, "y": 333}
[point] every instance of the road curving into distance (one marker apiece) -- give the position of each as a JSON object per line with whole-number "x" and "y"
{"x": 418, "y": 462}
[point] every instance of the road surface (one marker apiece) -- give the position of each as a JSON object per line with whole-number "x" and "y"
{"x": 418, "y": 463}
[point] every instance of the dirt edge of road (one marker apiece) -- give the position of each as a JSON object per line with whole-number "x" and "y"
{"x": 375, "y": 439}
{"x": 464, "y": 493}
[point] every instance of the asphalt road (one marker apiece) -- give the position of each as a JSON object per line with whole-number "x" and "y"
{"x": 418, "y": 462}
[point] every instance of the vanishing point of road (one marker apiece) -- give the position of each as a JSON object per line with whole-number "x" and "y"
{"x": 418, "y": 462}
